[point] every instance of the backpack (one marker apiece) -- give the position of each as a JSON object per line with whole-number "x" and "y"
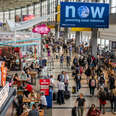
{"x": 59, "y": 77}
{"x": 93, "y": 83}
{"x": 102, "y": 80}
{"x": 74, "y": 61}
{"x": 102, "y": 96}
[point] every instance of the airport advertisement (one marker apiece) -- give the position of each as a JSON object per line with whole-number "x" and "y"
{"x": 88, "y": 15}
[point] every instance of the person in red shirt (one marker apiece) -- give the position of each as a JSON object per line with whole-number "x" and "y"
{"x": 28, "y": 89}
{"x": 93, "y": 111}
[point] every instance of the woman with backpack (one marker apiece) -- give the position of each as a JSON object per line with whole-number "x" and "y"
{"x": 102, "y": 99}
{"x": 93, "y": 111}
{"x": 92, "y": 85}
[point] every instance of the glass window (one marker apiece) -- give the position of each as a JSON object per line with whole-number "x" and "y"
{"x": 18, "y": 12}
{"x": 12, "y": 14}
{"x": 113, "y": 6}
{"x": 24, "y": 11}
{"x": 30, "y": 10}
{"x": 37, "y": 9}
{"x": 1, "y": 16}
{"x": 6, "y": 15}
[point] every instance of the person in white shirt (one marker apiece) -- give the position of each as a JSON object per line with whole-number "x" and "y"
{"x": 52, "y": 82}
{"x": 43, "y": 101}
{"x": 66, "y": 81}
{"x": 61, "y": 88}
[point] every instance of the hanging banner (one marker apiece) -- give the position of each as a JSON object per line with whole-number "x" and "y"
{"x": 44, "y": 86}
{"x": 91, "y": 15}
{"x": 27, "y": 24}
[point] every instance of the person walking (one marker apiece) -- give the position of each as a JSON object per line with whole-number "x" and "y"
{"x": 81, "y": 104}
{"x": 111, "y": 99}
{"x": 92, "y": 85}
{"x": 75, "y": 61}
{"x": 93, "y": 111}
{"x": 111, "y": 82}
{"x": 78, "y": 81}
{"x": 102, "y": 99}
{"x": 66, "y": 81}
{"x": 114, "y": 102}
{"x": 61, "y": 61}
{"x": 43, "y": 100}
{"x": 68, "y": 60}
{"x": 61, "y": 88}
{"x": 88, "y": 73}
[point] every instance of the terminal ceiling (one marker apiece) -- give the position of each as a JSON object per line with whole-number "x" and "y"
{"x": 12, "y": 4}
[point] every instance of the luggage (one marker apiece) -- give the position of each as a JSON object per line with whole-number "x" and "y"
{"x": 73, "y": 90}
{"x": 73, "y": 74}
{"x": 67, "y": 94}
{"x": 54, "y": 96}
{"x": 72, "y": 67}
{"x": 74, "y": 112}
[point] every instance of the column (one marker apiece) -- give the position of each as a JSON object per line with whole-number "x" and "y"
{"x": 40, "y": 7}
{"x": 77, "y": 39}
{"x": 27, "y": 10}
{"x": 93, "y": 42}
{"x": 48, "y": 7}
{"x": 3, "y": 17}
{"x": 56, "y": 22}
{"x": 66, "y": 30}
{"x": 34, "y": 9}
{"x": 9, "y": 15}
{"x": 21, "y": 13}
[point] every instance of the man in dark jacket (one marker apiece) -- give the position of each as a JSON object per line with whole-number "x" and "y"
{"x": 34, "y": 111}
{"x": 111, "y": 82}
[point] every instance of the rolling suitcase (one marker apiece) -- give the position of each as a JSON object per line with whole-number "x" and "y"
{"x": 67, "y": 94}
{"x": 54, "y": 96}
{"x": 73, "y": 90}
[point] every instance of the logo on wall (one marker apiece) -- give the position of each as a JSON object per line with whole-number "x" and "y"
{"x": 83, "y": 11}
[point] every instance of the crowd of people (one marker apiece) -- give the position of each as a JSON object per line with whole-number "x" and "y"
{"x": 82, "y": 65}
{"x": 93, "y": 69}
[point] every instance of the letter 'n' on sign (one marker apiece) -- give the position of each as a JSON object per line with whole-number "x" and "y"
{"x": 68, "y": 9}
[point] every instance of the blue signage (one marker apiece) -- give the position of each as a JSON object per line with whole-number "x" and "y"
{"x": 91, "y": 15}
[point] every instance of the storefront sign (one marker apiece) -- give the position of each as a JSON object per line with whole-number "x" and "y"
{"x": 4, "y": 94}
{"x": 91, "y": 15}
{"x": 44, "y": 86}
{"x": 41, "y": 29}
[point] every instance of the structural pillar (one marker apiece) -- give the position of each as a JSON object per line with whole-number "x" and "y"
{"x": 66, "y": 34}
{"x": 77, "y": 39}
{"x": 93, "y": 42}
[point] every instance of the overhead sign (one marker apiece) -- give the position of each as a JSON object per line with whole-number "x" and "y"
{"x": 80, "y": 29}
{"x": 91, "y": 15}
